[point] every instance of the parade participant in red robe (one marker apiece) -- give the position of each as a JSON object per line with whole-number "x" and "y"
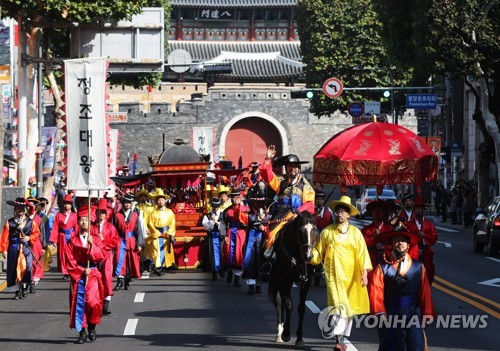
{"x": 130, "y": 231}
{"x": 64, "y": 226}
{"x": 109, "y": 237}
{"x": 322, "y": 214}
{"x": 19, "y": 235}
{"x": 253, "y": 175}
{"x": 400, "y": 291}
{"x": 378, "y": 211}
{"x": 427, "y": 231}
{"x": 233, "y": 227}
{"x": 83, "y": 253}
{"x": 406, "y": 215}
{"x": 38, "y": 269}
{"x": 324, "y": 217}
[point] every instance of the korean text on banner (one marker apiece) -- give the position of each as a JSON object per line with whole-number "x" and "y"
{"x": 85, "y": 81}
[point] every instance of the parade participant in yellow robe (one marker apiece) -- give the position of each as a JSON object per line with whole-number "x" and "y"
{"x": 142, "y": 204}
{"x": 161, "y": 226}
{"x": 342, "y": 249}
{"x": 145, "y": 208}
{"x": 224, "y": 192}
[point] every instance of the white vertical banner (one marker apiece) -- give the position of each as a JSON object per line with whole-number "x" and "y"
{"x": 84, "y": 89}
{"x": 203, "y": 140}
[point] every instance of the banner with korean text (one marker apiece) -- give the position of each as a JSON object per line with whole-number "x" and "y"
{"x": 85, "y": 97}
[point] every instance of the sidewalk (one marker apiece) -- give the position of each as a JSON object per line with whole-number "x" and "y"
{"x": 3, "y": 269}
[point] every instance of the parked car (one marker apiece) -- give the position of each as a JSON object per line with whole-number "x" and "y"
{"x": 370, "y": 195}
{"x": 487, "y": 228}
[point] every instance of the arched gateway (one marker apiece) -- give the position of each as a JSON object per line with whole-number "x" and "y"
{"x": 247, "y": 135}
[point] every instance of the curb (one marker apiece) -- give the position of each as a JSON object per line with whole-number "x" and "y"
{"x": 3, "y": 275}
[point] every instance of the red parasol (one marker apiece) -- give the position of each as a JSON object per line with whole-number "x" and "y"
{"x": 375, "y": 154}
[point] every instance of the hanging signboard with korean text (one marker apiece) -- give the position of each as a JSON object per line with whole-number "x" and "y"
{"x": 84, "y": 85}
{"x": 372, "y": 107}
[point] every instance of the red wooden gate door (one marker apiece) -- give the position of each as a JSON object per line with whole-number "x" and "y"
{"x": 249, "y": 138}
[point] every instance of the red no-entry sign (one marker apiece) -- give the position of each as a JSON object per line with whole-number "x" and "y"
{"x": 333, "y": 87}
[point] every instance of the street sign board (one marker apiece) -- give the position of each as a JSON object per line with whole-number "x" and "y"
{"x": 333, "y": 88}
{"x": 456, "y": 149}
{"x": 355, "y": 109}
{"x": 421, "y": 101}
{"x": 369, "y": 118}
{"x": 372, "y": 107}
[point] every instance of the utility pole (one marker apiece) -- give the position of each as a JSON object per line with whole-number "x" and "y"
{"x": 22, "y": 133}
{"x": 39, "y": 169}
{"x": 393, "y": 114}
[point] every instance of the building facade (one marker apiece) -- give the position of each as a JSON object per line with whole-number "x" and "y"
{"x": 232, "y": 123}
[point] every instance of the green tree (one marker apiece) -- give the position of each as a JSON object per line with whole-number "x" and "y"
{"x": 460, "y": 38}
{"x": 52, "y": 18}
{"x": 338, "y": 39}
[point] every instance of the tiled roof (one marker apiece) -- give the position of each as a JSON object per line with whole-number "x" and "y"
{"x": 207, "y": 50}
{"x": 233, "y": 3}
{"x": 260, "y": 65}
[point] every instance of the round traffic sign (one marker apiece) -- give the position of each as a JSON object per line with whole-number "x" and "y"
{"x": 333, "y": 88}
{"x": 177, "y": 59}
{"x": 355, "y": 109}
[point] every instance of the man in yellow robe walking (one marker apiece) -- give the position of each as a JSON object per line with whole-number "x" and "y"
{"x": 342, "y": 249}
{"x": 161, "y": 225}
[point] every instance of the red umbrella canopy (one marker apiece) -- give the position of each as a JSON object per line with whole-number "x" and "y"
{"x": 375, "y": 154}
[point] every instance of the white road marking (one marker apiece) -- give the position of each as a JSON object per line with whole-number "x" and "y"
{"x": 492, "y": 282}
{"x": 145, "y": 275}
{"x": 139, "y": 297}
{"x": 130, "y": 327}
{"x": 445, "y": 243}
{"x": 493, "y": 259}
{"x": 447, "y": 229}
{"x": 312, "y": 306}
{"x": 350, "y": 346}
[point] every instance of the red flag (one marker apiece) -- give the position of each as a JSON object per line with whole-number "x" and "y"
{"x": 134, "y": 163}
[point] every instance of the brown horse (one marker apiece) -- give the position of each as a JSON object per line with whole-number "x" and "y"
{"x": 292, "y": 249}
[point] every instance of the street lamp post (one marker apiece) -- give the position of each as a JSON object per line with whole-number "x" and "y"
{"x": 393, "y": 115}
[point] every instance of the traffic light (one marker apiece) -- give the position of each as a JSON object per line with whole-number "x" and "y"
{"x": 302, "y": 94}
{"x": 387, "y": 93}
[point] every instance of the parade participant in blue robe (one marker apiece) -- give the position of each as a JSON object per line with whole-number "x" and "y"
{"x": 400, "y": 295}
{"x": 211, "y": 224}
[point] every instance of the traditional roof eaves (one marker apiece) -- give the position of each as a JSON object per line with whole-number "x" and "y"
{"x": 202, "y": 51}
{"x": 233, "y": 3}
{"x": 260, "y": 65}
